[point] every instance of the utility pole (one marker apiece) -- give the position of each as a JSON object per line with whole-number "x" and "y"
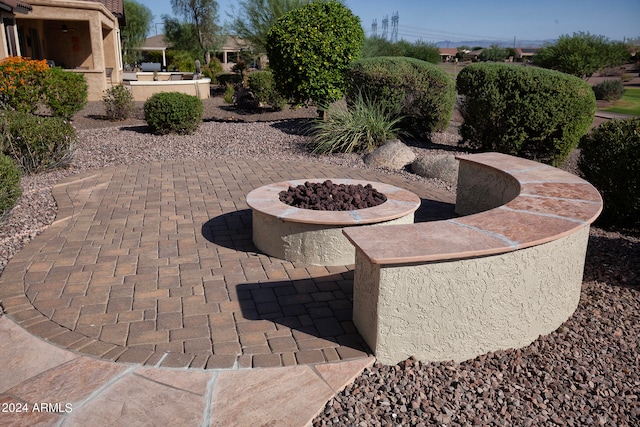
{"x": 394, "y": 27}
{"x": 385, "y": 26}
{"x": 374, "y": 28}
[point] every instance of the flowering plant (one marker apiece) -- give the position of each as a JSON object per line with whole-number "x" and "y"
{"x": 21, "y": 83}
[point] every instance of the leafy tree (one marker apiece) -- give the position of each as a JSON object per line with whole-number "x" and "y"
{"x": 180, "y": 36}
{"x": 201, "y": 15}
{"x": 494, "y": 53}
{"x": 255, "y": 17}
{"x": 424, "y": 51}
{"x": 134, "y": 34}
{"x": 581, "y": 55}
{"x": 310, "y": 49}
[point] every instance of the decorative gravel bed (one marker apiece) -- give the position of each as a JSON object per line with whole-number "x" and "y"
{"x": 586, "y": 373}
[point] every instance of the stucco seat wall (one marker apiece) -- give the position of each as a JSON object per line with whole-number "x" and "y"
{"x": 497, "y": 278}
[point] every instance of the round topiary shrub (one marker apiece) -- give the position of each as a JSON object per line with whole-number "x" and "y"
{"x": 419, "y": 91}
{"x": 173, "y": 112}
{"x": 65, "y": 92}
{"x": 610, "y": 160}
{"x": 10, "y": 189}
{"x": 309, "y": 50}
{"x": 609, "y": 90}
{"x": 529, "y": 112}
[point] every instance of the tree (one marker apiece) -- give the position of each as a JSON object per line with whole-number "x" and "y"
{"x": 255, "y": 17}
{"x": 494, "y": 53}
{"x": 201, "y": 14}
{"x": 310, "y": 49}
{"x": 134, "y": 33}
{"x": 581, "y": 55}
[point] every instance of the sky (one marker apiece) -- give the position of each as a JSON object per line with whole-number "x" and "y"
{"x": 470, "y": 20}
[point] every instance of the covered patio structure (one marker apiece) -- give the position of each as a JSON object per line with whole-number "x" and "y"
{"x": 77, "y": 35}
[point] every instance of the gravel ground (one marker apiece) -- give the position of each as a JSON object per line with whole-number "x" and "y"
{"x": 585, "y": 373}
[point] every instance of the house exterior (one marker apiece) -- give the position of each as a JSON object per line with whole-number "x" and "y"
{"x": 82, "y": 36}
{"x": 448, "y": 54}
{"x": 524, "y": 54}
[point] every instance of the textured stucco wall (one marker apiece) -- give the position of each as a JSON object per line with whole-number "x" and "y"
{"x": 460, "y": 309}
{"x": 307, "y": 243}
{"x": 481, "y": 188}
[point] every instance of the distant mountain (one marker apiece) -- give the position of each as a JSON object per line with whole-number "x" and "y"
{"x": 488, "y": 43}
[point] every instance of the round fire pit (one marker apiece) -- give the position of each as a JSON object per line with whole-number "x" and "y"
{"x": 313, "y": 236}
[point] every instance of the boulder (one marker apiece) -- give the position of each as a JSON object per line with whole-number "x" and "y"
{"x": 246, "y": 100}
{"x": 392, "y": 155}
{"x": 443, "y": 167}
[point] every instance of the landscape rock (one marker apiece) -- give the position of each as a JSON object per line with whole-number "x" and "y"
{"x": 391, "y": 155}
{"x": 443, "y": 167}
{"x": 246, "y": 99}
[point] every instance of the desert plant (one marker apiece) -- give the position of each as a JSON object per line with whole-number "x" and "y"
{"x": 37, "y": 143}
{"x": 262, "y": 85}
{"x": 610, "y": 160}
{"x": 10, "y": 188}
{"x": 422, "y": 92}
{"x": 609, "y": 90}
{"x": 118, "y": 103}
{"x": 309, "y": 49}
{"x": 229, "y": 93}
{"x": 65, "y": 93}
{"x": 21, "y": 83}
{"x": 173, "y": 112}
{"x": 524, "y": 111}
{"x": 361, "y": 127}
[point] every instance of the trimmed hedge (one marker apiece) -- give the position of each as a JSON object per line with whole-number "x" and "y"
{"x": 65, "y": 92}
{"x": 419, "y": 91}
{"x": 529, "y": 112}
{"x": 173, "y": 112}
{"x": 610, "y": 160}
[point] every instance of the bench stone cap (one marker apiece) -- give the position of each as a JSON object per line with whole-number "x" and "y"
{"x": 551, "y": 204}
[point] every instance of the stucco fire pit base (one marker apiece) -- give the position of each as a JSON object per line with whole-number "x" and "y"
{"x": 315, "y": 237}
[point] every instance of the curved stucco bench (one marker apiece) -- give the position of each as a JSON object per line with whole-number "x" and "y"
{"x": 504, "y": 272}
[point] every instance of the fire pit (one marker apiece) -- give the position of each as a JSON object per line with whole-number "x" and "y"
{"x": 315, "y": 236}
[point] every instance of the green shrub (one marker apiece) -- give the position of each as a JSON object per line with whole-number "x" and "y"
{"x": 176, "y": 112}
{"x": 118, "y": 103}
{"x": 609, "y": 90}
{"x": 65, "y": 92}
{"x": 37, "y": 143}
{"x": 212, "y": 70}
{"x": 310, "y": 48}
{"x": 262, "y": 85}
{"x": 229, "y": 93}
{"x": 21, "y": 83}
{"x": 10, "y": 189}
{"x": 524, "y": 111}
{"x": 362, "y": 126}
{"x": 610, "y": 160}
{"x": 227, "y": 78}
{"x": 420, "y": 91}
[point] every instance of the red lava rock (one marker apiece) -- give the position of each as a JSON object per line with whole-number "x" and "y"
{"x": 327, "y": 196}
